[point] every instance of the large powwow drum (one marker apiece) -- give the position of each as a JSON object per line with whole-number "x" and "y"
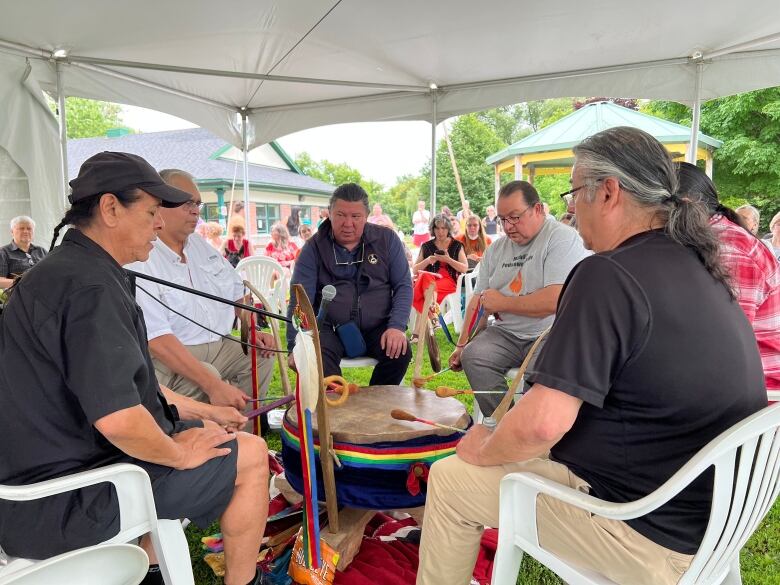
{"x": 384, "y": 462}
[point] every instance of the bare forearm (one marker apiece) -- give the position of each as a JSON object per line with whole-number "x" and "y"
{"x": 188, "y": 408}
{"x": 175, "y": 356}
{"x": 540, "y": 303}
{"x": 6, "y": 282}
{"x": 135, "y": 432}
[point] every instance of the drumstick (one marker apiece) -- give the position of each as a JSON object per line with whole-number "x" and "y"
{"x": 419, "y": 382}
{"x": 446, "y": 391}
{"x": 334, "y": 387}
{"x": 403, "y": 415}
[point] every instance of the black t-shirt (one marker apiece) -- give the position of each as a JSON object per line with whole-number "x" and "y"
{"x": 664, "y": 361}
{"x": 73, "y": 349}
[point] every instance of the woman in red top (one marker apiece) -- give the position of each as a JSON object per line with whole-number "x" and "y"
{"x": 280, "y": 248}
{"x": 237, "y": 246}
{"x": 443, "y": 255}
{"x": 474, "y": 241}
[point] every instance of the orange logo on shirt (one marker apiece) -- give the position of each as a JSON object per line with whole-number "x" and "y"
{"x": 517, "y": 283}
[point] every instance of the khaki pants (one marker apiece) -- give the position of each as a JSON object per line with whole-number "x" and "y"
{"x": 225, "y": 359}
{"x": 463, "y": 498}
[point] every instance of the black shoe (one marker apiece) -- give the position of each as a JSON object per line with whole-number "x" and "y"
{"x": 264, "y": 426}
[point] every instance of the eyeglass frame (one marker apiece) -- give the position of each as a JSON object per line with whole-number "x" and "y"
{"x": 351, "y": 262}
{"x": 573, "y": 192}
{"x": 192, "y": 205}
{"x": 515, "y": 219}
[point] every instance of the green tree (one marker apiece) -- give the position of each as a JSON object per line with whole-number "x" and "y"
{"x": 400, "y": 201}
{"x": 338, "y": 174}
{"x": 747, "y": 166}
{"x": 472, "y": 142}
{"x": 88, "y": 118}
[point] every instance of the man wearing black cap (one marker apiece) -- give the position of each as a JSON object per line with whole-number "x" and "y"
{"x": 78, "y": 389}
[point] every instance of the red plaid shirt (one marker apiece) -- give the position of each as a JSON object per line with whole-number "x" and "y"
{"x": 755, "y": 274}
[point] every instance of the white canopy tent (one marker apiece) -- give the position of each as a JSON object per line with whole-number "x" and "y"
{"x": 285, "y": 66}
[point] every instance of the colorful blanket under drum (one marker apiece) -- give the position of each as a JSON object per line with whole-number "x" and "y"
{"x": 383, "y": 462}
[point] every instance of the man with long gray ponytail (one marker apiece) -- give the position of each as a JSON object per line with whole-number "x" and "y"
{"x": 649, "y": 359}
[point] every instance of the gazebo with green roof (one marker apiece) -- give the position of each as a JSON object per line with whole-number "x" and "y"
{"x": 549, "y": 151}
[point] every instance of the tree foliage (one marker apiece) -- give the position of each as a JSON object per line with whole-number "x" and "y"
{"x": 89, "y": 118}
{"x": 747, "y": 166}
{"x": 338, "y": 174}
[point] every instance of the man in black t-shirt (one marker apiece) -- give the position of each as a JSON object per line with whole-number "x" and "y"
{"x": 648, "y": 360}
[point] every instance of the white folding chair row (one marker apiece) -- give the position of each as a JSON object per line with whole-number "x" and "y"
{"x": 268, "y": 277}
{"x": 746, "y": 459}
{"x": 137, "y": 516}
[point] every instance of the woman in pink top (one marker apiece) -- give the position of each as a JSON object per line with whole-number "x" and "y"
{"x": 280, "y": 248}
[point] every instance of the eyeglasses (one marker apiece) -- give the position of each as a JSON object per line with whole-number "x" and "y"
{"x": 192, "y": 204}
{"x": 513, "y": 219}
{"x": 349, "y": 262}
{"x": 573, "y": 191}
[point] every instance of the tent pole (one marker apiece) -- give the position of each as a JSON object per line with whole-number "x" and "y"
{"x": 693, "y": 147}
{"x": 245, "y": 148}
{"x": 433, "y": 153}
{"x": 63, "y": 125}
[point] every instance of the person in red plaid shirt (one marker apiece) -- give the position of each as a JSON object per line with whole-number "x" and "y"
{"x": 755, "y": 271}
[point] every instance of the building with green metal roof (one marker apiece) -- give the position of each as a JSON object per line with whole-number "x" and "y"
{"x": 549, "y": 151}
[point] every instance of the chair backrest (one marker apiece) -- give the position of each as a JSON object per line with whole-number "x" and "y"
{"x": 267, "y": 276}
{"x": 747, "y": 468}
{"x": 259, "y": 270}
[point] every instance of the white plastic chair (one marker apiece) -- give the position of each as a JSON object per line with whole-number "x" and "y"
{"x": 104, "y": 564}
{"x": 358, "y": 362}
{"x": 747, "y": 470}
{"x": 138, "y": 516}
{"x": 260, "y": 271}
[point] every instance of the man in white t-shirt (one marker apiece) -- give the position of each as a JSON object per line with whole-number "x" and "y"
{"x": 520, "y": 279}
{"x": 189, "y": 359}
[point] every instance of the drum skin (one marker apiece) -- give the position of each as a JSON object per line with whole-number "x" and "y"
{"x": 378, "y": 453}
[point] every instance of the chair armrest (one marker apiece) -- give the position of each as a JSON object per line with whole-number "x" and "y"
{"x": 113, "y": 473}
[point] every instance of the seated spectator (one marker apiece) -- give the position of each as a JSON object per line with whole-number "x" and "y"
{"x": 304, "y": 233}
{"x": 648, "y": 360}
{"x": 237, "y": 247}
{"x": 81, "y": 392}
{"x": 751, "y": 217}
{"x": 214, "y": 233}
{"x": 379, "y": 218}
{"x": 474, "y": 241}
{"x": 491, "y": 222}
{"x": 567, "y": 218}
{"x": 463, "y": 215}
{"x": 294, "y": 222}
{"x": 443, "y": 255}
{"x": 280, "y": 248}
{"x": 21, "y": 254}
{"x": 755, "y": 274}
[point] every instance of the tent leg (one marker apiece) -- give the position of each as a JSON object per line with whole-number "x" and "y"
{"x": 693, "y": 147}
{"x": 63, "y": 125}
{"x": 433, "y": 152}
{"x": 245, "y": 149}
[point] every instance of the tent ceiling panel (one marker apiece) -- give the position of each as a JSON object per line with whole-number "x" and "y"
{"x": 482, "y": 54}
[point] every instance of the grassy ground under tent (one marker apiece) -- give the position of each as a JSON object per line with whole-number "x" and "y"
{"x": 760, "y": 558}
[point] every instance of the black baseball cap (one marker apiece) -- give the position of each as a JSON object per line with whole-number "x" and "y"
{"x": 109, "y": 172}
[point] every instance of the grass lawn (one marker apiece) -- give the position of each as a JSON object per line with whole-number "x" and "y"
{"x": 760, "y": 558}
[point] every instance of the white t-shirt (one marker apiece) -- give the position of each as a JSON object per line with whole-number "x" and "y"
{"x": 421, "y": 219}
{"x": 518, "y": 270}
{"x": 205, "y": 270}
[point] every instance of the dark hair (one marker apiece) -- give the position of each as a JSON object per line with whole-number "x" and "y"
{"x": 645, "y": 171}
{"x": 695, "y": 183}
{"x": 82, "y": 211}
{"x": 441, "y": 218}
{"x": 530, "y": 195}
{"x": 351, "y": 192}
